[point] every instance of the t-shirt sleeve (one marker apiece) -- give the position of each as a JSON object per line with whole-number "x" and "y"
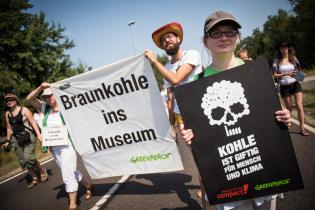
{"x": 191, "y": 57}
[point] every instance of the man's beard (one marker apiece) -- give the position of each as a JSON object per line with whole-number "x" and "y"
{"x": 173, "y": 50}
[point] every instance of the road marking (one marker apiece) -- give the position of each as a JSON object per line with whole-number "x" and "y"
{"x": 110, "y": 192}
{"x": 310, "y": 128}
{"x": 23, "y": 172}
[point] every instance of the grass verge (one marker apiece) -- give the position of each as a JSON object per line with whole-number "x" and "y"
{"x": 8, "y": 161}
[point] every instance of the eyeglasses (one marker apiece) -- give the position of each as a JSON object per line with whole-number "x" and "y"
{"x": 219, "y": 34}
{"x": 167, "y": 36}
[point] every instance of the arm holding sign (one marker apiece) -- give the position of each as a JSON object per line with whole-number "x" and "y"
{"x": 173, "y": 77}
{"x": 32, "y": 97}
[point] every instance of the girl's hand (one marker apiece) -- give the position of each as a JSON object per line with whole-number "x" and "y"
{"x": 284, "y": 116}
{"x": 186, "y": 134}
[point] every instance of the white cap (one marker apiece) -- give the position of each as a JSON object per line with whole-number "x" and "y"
{"x": 47, "y": 92}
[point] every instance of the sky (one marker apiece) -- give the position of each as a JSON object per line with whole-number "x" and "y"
{"x": 101, "y": 34}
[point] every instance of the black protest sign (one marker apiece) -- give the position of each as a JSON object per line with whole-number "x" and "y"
{"x": 240, "y": 149}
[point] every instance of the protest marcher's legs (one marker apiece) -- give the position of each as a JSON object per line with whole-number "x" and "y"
{"x": 72, "y": 200}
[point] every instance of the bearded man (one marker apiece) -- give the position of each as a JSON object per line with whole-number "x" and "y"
{"x": 181, "y": 69}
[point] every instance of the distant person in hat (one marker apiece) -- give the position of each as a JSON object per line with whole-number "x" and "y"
{"x": 182, "y": 67}
{"x": 20, "y": 132}
{"x": 285, "y": 69}
{"x": 64, "y": 155}
{"x": 221, "y": 33}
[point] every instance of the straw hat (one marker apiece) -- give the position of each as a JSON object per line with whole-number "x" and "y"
{"x": 172, "y": 27}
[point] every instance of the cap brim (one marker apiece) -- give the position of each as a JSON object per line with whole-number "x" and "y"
{"x": 47, "y": 92}
{"x": 224, "y": 19}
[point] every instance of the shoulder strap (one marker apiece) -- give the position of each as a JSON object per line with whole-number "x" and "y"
{"x": 63, "y": 121}
{"x": 27, "y": 128}
{"x": 46, "y": 115}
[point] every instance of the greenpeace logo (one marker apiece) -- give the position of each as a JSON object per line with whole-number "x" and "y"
{"x": 272, "y": 184}
{"x": 149, "y": 158}
{"x": 235, "y": 192}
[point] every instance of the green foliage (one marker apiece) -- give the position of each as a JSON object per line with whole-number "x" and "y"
{"x": 277, "y": 28}
{"x": 296, "y": 28}
{"x": 163, "y": 59}
{"x": 305, "y": 27}
{"x": 31, "y": 51}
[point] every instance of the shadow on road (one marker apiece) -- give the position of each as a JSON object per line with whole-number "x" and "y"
{"x": 162, "y": 184}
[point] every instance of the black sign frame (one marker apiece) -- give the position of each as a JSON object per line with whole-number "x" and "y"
{"x": 263, "y": 146}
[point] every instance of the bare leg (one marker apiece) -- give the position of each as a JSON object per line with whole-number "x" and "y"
{"x": 288, "y": 103}
{"x": 299, "y": 104}
{"x": 72, "y": 200}
{"x": 34, "y": 182}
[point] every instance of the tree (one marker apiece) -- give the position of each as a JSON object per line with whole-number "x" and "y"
{"x": 31, "y": 50}
{"x": 304, "y": 27}
{"x": 277, "y": 28}
{"x": 295, "y": 27}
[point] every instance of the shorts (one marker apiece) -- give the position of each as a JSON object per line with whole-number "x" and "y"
{"x": 26, "y": 153}
{"x": 288, "y": 90}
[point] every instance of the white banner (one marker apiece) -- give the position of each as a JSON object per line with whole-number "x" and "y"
{"x": 117, "y": 121}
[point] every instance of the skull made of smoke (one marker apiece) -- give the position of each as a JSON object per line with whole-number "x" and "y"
{"x": 225, "y": 102}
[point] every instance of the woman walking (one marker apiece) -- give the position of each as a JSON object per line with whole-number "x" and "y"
{"x": 65, "y": 155}
{"x": 20, "y": 127}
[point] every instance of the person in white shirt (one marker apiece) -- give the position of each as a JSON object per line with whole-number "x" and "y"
{"x": 64, "y": 155}
{"x": 182, "y": 67}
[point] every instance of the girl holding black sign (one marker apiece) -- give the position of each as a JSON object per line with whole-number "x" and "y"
{"x": 221, "y": 33}
{"x": 20, "y": 129}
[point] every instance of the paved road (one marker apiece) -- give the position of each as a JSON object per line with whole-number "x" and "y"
{"x": 175, "y": 190}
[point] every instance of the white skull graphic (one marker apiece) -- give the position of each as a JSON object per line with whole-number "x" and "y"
{"x": 224, "y": 103}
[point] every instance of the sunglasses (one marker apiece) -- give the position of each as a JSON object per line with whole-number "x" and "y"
{"x": 218, "y": 34}
{"x": 10, "y": 100}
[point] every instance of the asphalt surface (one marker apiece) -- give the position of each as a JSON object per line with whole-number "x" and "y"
{"x": 175, "y": 190}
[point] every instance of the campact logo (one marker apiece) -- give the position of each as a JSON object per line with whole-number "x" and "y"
{"x": 235, "y": 192}
{"x": 272, "y": 184}
{"x": 149, "y": 158}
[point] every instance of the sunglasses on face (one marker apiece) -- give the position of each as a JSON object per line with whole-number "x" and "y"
{"x": 46, "y": 97}
{"x": 218, "y": 34}
{"x": 10, "y": 100}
